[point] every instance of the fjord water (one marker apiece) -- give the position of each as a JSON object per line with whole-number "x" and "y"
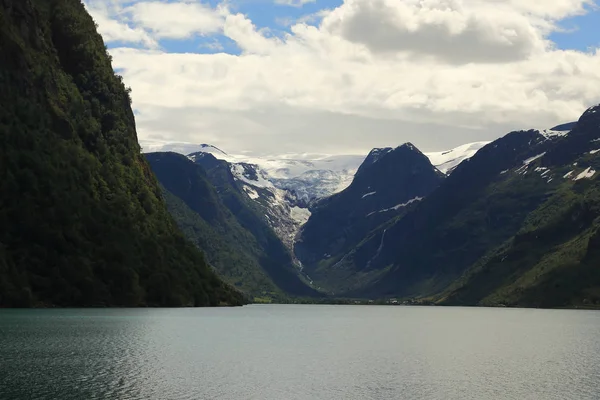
{"x": 300, "y": 352}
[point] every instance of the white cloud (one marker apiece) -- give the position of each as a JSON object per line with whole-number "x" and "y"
{"x": 436, "y": 72}
{"x": 445, "y": 29}
{"x": 146, "y": 22}
{"x": 242, "y": 31}
{"x": 113, "y": 30}
{"x": 177, "y": 20}
{"x": 294, "y": 3}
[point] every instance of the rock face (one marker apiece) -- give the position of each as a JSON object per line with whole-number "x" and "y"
{"x": 82, "y": 220}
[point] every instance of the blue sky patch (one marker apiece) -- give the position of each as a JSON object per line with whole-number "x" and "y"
{"x": 581, "y": 32}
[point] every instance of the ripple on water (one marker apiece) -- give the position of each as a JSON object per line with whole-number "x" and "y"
{"x": 300, "y": 352}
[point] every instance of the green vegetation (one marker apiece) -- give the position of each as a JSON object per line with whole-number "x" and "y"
{"x": 225, "y": 249}
{"x": 553, "y": 261}
{"x": 220, "y": 219}
{"x": 497, "y": 232}
{"x": 82, "y": 220}
{"x": 471, "y": 212}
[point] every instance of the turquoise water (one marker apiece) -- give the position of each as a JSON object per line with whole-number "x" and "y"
{"x": 300, "y": 352}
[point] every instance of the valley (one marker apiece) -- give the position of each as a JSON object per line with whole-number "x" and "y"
{"x": 429, "y": 226}
{"x": 90, "y": 218}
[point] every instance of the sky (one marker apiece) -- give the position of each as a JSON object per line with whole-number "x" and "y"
{"x": 268, "y": 77}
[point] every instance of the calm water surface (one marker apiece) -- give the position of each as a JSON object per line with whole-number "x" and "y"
{"x": 300, "y": 352}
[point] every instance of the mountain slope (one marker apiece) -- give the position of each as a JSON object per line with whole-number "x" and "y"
{"x": 82, "y": 221}
{"x": 553, "y": 260}
{"x": 208, "y": 187}
{"x": 387, "y": 183}
{"x": 472, "y": 211}
{"x": 516, "y": 224}
{"x": 204, "y": 219}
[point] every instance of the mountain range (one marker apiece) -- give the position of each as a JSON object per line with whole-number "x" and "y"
{"x": 87, "y": 219}
{"x": 431, "y": 226}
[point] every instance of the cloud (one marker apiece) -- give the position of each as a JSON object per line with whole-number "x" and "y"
{"x": 113, "y": 30}
{"x": 241, "y": 30}
{"x": 346, "y": 85}
{"x": 177, "y": 20}
{"x": 147, "y": 22}
{"x": 444, "y": 29}
{"x": 452, "y": 30}
{"x": 294, "y": 3}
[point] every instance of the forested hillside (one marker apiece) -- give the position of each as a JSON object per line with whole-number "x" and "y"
{"x": 82, "y": 220}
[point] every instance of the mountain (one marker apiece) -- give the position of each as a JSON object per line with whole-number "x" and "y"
{"x": 82, "y": 220}
{"x": 389, "y": 182}
{"x": 207, "y": 222}
{"x": 272, "y": 206}
{"x": 310, "y": 177}
{"x": 228, "y": 224}
{"x": 516, "y": 224}
{"x": 289, "y": 185}
{"x": 564, "y": 127}
{"x": 472, "y": 211}
{"x": 553, "y": 259}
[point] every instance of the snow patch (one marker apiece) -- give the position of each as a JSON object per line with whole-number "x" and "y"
{"x": 300, "y": 215}
{"x": 238, "y": 172}
{"x": 522, "y": 170}
{"x": 568, "y": 174}
{"x": 504, "y": 172}
{"x": 446, "y": 161}
{"x": 368, "y": 194}
{"x": 543, "y": 171}
{"x": 253, "y": 194}
{"x": 397, "y": 207}
{"x": 587, "y": 174}
{"x": 549, "y": 134}
{"x": 532, "y": 159}
{"x": 594, "y": 151}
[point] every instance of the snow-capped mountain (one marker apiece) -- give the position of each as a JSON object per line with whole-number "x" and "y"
{"x": 286, "y": 186}
{"x": 308, "y": 177}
